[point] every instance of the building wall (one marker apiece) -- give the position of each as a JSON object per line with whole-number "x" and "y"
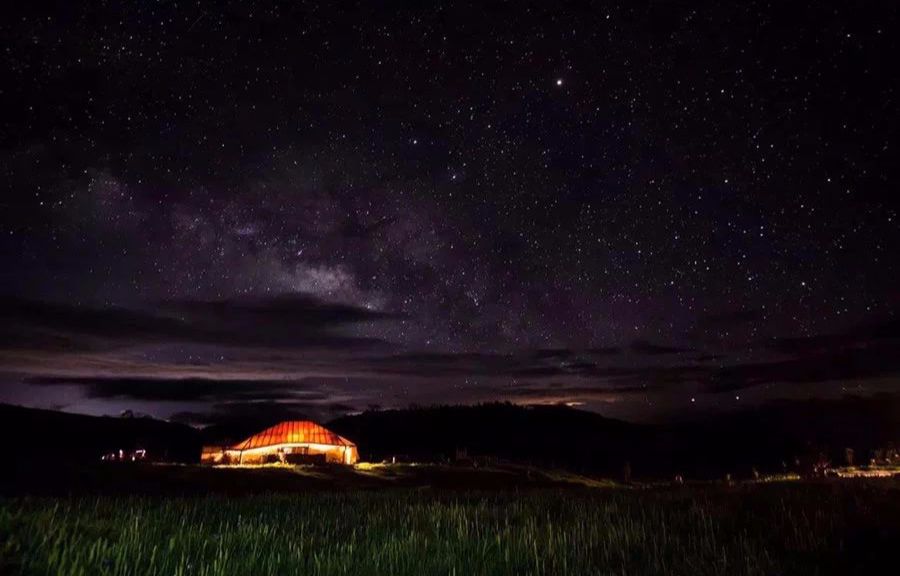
{"x": 335, "y": 455}
{"x": 212, "y": 455}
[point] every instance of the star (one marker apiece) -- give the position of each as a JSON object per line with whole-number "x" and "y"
{"x": 671, "y": 203}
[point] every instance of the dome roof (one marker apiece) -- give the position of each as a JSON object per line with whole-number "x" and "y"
{"x": 293, "y": 432}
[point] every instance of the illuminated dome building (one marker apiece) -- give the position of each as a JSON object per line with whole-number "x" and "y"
{"x": 294, "y": 442}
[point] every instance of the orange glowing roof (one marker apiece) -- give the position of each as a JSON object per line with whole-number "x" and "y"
{"x": 294, "y": 432}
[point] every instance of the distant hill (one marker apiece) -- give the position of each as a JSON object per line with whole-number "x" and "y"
{"x": 781, "y": 433}
{"x": 552, "y": 436}
{"x": 780, "y": 436}
{"x": 46, "y": 437}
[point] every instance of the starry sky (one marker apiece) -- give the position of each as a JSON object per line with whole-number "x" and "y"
{"x": 649, "y": 210}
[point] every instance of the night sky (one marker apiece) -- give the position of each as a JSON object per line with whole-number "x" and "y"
{"x": 646, "y": 209}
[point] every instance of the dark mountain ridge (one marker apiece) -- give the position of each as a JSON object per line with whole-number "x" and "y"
{"x": 779, "y": 436}
{"x": 49, "y": 436}
{"x": 776, "y": 437}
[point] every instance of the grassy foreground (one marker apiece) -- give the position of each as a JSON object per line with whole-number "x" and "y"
{"x": 840, "y": 528}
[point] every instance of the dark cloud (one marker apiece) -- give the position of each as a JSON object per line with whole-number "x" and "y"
{"x": 564, "y": 353}
{"x": 445, "y": 364}
{"x": 539, "y": 363}
{"x": 263, "y": 379}
{"x": 552, "y": 354}
{"x": 604, "y": 351}
{"x": 576, "y": 367}
{"x": 816, "y": 364}
{"x": 301, "y": 310}
{"x": 290, "y": 322}
{"x": 651, "y": 349}
{"x": 560, "y": 389}
{"x": 860, "y": 336}
{"x": 856, "y": 354}
{"x": 185, "y": 389}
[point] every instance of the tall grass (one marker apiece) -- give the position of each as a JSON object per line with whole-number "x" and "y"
{"x": 766, "y": 531}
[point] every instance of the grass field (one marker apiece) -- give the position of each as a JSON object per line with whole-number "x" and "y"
{"x": 831, "y": 528}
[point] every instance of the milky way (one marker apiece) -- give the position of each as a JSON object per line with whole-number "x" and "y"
{"x": 644, "y": 209}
